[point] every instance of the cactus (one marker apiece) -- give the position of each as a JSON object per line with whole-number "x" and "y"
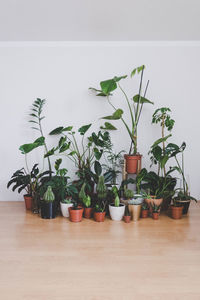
{"x": 49, "y": 195}
{"x": 101, "y": 188}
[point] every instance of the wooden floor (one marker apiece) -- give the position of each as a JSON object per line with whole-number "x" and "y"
{"x": 56, "y": 259}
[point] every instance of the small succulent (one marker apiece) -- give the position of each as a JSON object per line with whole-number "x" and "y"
{"x": 145, "y": 206}
{"x": 128, "y": 194}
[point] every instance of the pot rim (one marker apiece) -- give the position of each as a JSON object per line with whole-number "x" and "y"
{"x": 120, "y": 205}
{"x": 132, "y": 155}
{"x": 184, "y": 201}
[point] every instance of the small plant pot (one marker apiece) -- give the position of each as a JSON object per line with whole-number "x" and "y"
{"x": 127, "y": 219}
{"x": 64, "y": 209}
{"x": 185, "y": 204}
{"x": 135, "y": 211}
{"x": 88, "y": 212}
{"x": 28, "y": 200}
{"x": 99, "y": 216}
{"x": 75, "y": 215}
{"x": 176, "y": 212}
{"x": 48, "y": 210}
{"x": 117, "y": 213}
{"x": 144, "y": 213}
{"x": 133, "y": 163}
{"x": 155, "y": 215}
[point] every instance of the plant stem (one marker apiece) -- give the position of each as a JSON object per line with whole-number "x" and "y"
{"x": 163, "y": 135}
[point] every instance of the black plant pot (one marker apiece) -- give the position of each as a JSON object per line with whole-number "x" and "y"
{"x": 185, "y": 204}
{"x": 48, "y": 210}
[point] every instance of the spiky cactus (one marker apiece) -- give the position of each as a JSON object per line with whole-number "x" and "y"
{"x": 49, "y": 195}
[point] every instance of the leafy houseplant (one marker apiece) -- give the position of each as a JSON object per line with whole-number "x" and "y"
{"x": 117, "y": 209}
{"x": 161, "y": 154}
{"x": 145, "y": 210}
{"x": 101, "y": 189}
{"x": 155, "y": 211}
{"x": 86, "y": 200}
{"x": 135, "y": 106}
{"x": 127, "y": 215}
{"x": 176, "y": 210}
{"x": 183, "y": 196}
{"x": 127, "y": 195}
{"x": 48, "y": 208}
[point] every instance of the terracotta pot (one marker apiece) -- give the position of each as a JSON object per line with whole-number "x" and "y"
{"x": 133, "y": 163}
{"x": 127, "y": 219}
{"x": 135, "y": 211}
{"x": 75, "y": 215}
{"x": 155, "y": 215}
{"x": 28, "y": 202}
{"x": 144, "y": 213}
{"x": 185, "y": 204}
{"x": 88, "y": 212}
{"x": 177, "y": 212}
{"x": 99, "y": 216}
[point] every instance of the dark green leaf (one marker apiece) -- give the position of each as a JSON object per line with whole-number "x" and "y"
{"x": 69, "y": 128}
{"x": 108, "y": 86}
{"x": 58, "y": 130}
{"x": 84, "y": 129}
{"x": 136, "y": 99}
{"x": 108, "y": 126}
{"x": 97, "y": 168}
{"x": 115, "y": 116}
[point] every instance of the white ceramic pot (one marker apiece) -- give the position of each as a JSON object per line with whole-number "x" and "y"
{"x": 117, "y": 213}
{"x": 64, "y": 209}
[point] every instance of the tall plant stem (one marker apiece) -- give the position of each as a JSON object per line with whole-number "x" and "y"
{"x": 163, "y": 135}
{"x": 129, "y": 132}
{"x": 45, "y": 146}
{"x": 129, "y": 106}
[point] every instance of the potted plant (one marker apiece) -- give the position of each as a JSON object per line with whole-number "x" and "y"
{"x": 135, "y": 105}
{"x": 127, "y": 215}
{"x": 183, "y": 197}
{"x": 135, "y": 205}
{"x": 145, "y": 210}
{"x": 64, "y": 206}
{"x": 155, "y": 211}
{"x": 75, "y": 213}
{"x": 99, "y": 213}
{"x": 48, "y": 207}
{"x": 86, "y": 200}
{"x": 161, "y": 153}
{"x": 176, "y": 210}
{"x": 116, "y": 209}
{"x": 127, "y": 195}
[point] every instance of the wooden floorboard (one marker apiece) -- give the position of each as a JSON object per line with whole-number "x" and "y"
{"x": 57, "y": 259}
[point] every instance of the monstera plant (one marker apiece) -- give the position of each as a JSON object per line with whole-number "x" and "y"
{"x": 135, "y": 106}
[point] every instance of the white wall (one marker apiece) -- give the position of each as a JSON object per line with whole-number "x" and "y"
{"x": 62, "y": 73}
{"x": 105, "y": 20}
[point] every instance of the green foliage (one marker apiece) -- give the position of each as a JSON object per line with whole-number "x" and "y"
{"x": 83, "y": 197}
{"x": 139, "y": 178}
{"x": 84, "y": 129}
{"x": 115, "y": 116}
{"x": 108, "y": 126}
{"x": 128, "y": 194}
{"x": 155, "y": 208}
{"x": 116, "y": 196}
{"x": 26, "y": 148}
{"x": 145, "y": 206}
{"x": 49, "y": 195}
{"x": 161, "y": 116}
{"x": 101, "y": 188}
{"x": 127, "y": 212}
{"x": 134, "y": 107}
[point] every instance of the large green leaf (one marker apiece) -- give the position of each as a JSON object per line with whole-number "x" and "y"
{"x": 26, "y": 148}
{"x": 64, "y": 147}
{"x": 108, "y": 126}
{"x": 98, "y": 153}
{"x": 142, "y": 100}
{"x": 115, "y": 116}
{"x": 84, "y": 129}
{"x": 160, "y": 140}
{"x": 108, "y": 86}
{"x": 116, "y": 79}
{"x": 97, "y": 168}
{"x": 57, "y": 130}
{"x": 69, "y": 128}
